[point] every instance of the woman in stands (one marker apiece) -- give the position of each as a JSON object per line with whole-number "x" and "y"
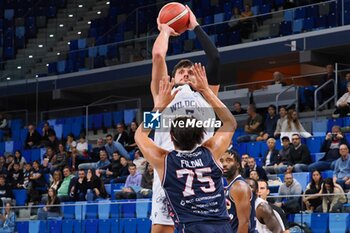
{"x": 123, "y": 172}
{"x": 313, "y": 201}
{"x": 293, "y": 126}
{"x": 332, "y": 203}
{"x": 8, "y": 220}
{"x": 131, "y": 144}
{"x": 95, "y": 186}
{"x": 80, "y": 154}
{"x": 57, "y": 180}
{"x": 20, "y": 159}
{"x": 52, "y": 208}
{"x": 60, "y": 159}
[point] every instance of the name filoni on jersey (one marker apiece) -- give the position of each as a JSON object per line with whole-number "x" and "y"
{"x": 191, "y": 123}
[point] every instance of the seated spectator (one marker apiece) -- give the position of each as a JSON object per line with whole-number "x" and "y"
{"x": 56, "y": 180}
{"x": 10, "y": 160}
{"x": 311, "y": 201}
{"x": 33, "y": 137}
{"x": 278, "y": 78}
{"x": 253, "y": 126}
{"x": 15, "y": 176}
{"x": 112, "y": 146}
{"x": 27, "y": 184}
{"x": 252, "y": 166}
{"x": 237, "y": 109}
{"x": 95, "y": 154}
{"x": 146, "y": 183}
{"x": 3, "y": 168}
{"x": 132, "y": 184}
{"x": 234, "y": 20}
{"x": 59, "y": 160}
{"x": 46, "y": 131}
{"x": 8, "y": 220}
{"x": 293, "y": 126}
{"x": 71, "y": 145}
{"x": 331, "y": 148}
{"x": 3, "y": 122}
{"x": 6, "y": 194}
{"x": 94, "y": 187}
{"x": 78, "y": 193}
{"x": 299, "y": 156}
{"x": 253, "y": 174}
{"x": 123, "y": 171}
{"x": 121, "y": 136}
{"x": 282, "y": 118}
{"x": 101, "y": 165}
{"x": 271, "y": 158}
{"x": 291, "y": 187}
{"x": 342, "y": 168}
{"x": 49, "y": 155}
{"x": 140, "y": 162}
{"x": 343, "y": 104}
{"x": 80, "y": 154}
{"x": 20, "y": 159}
{"x": 245, "y": 23}
{"x": 332, "y": 203}
{"x": 53, "y": 142}
{"x": 113, "y": 169}
{"x": 131, "y": 144}
{"x": 244, "y": 161}
{"x": 270, "y": 124}
{"x": 38, "y": 183}
{"x": 66, "y": 186}
{"x": 52, "y": 208}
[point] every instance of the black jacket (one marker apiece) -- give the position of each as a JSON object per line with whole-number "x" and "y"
{"x": 273, "y": 158}
{"x": 300, "y": 155}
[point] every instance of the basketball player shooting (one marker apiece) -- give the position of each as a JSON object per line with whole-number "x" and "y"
{"x": 191, "y": 174}
{"x": 182, "y": 73}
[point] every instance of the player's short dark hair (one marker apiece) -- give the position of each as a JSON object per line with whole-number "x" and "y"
{"x": 109, "y": 135}
{"x": 186, "y": 138}
{"x": 131, "y": 164}
{"x": 236, "y": 157}
{"x": 183, "y": 63}
{"x": 272, "y": 106}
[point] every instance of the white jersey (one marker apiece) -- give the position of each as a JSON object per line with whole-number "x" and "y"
{"x": 262, "y": 228}
{"x": 186, "y": 102}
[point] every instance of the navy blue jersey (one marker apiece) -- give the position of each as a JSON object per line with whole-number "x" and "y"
{"x": 231, "y": 207}
{"x": 193, "y": 186}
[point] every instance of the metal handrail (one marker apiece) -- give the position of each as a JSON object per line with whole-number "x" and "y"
{"x": 296, "y": 101}
{"x": 316, "y": 107}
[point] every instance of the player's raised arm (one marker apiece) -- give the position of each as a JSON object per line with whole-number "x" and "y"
{"x": 212, "y": 53}
{"x": 222, "y": 138}
{"x": 160, "y": 48}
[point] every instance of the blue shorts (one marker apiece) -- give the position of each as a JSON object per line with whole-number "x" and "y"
{"x": 201, "y": 227}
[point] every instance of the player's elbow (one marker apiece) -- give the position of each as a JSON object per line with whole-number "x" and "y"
{"x": 158, "y": 56}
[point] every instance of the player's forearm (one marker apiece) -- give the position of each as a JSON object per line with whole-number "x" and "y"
{"x": 160, "y": 46}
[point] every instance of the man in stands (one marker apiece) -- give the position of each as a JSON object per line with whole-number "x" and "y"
{"x": 291, "y": 187}
{"x": 132, "y": 184}
{"x": 342, "y": 168}
{"x": 253, "y": 166}
{"x": 121, "y": 136}
{"x": 299, "y": 156}
{"x": 33, "y": 137}
{"x": 253, "y": 126}
{"x": 112, "y": 146}
{"x": 237, "y": 109}
{"x": 283, "y": 156}
{"x": 67, "y": 184}
{"x": 331, "y": 148}
{"x": 271, "y": 157}
{"x": 100, "y": 165}
{"x": 95, "y": 154}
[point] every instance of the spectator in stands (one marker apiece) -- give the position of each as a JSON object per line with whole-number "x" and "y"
{"x": 53, "y": 142}
{"x": 271, "y": 156}
{"x": 113, "y": 169}
{"x": 20, "y": 159}
{"x": 299, "y": 156}
{"x": 101, "y": 165}
{"x": 278, "y": 78}
{"x": 123, "y": 172}
{"x": 81, "y": 153}
{"x": 56, "y": 180}
{"x": 94, "y": 186}
{"x": 237, "y": 109}
{"x": 270, "y": 124}
{"x": 132, "y": 184}
{"x": 246, "y": 22}
{"x": 70, "y": 144}
{"x": 140, "y": 162}
{"x": 39, "y": 186}
{"x": 244, "y": 162}
{"x": 112, "y": 146}
{"x": 66, "y": 186}
{"x": 59, "y": 160}
{"x": 253, "y": 126}
{"x": 8, "y": 220}
{"x": 131, "y": 145}
{"x": 332, "y": 203}
{"x": 331, "y": 148}
{"x": 3, "y": 122}
{"x": 6, "y": 194}
{"x": 121, "y": 136}
{"x": 49, "y": 155}
{"x": 45, "y": 132}
{"x": 282, "y": 118}
{"x": 95, "y": 154}
{"x": 146, "y": 182}
{"x": 234, "y": 20}
{"x": 310, "y": 200}
{"x": 33, "y": 137}
{"x": 283, "y": 156}
{"x": 52, "y": 208}
{"x": 343, "y": 104}
{"x": 290, "y": 187}
{"x": 15, "y": 176}
{"x": 3, "y": 169}
{"x": 253, "y": 174}
{"x": 78, "y": 192}
{"x": 252, "y": 166}
{"x": 27, "y": 184}
{"x": 293, "y": 126}
{"x": 342, "y": 168}
{"x": 10, "y": 160}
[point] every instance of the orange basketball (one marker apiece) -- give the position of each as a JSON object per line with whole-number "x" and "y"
{"x": 175, "y": 15}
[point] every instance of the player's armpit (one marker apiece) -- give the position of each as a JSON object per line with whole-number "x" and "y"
{"x": 265, "y": 215}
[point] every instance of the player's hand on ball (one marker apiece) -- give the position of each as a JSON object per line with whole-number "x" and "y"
{"x": 200, "y": 82}
{"x": 166, "y": 28}
{"x": 164, "y": 96}
{"x": 193, "y": 20}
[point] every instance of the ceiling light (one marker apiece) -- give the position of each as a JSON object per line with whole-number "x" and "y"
{"x": 8, "y": 78}
{"x": 98, "y": 12}
{"x": 40, "y": 45}
{"x": 68, "y": 42}
{"x": 36, "y": 76}
{"x": 47, "y": 64}
{"x": 107, "y": 3}
{"x": 80, "y": 6}
{"x": 58, "y": 53}
{"x": 30, "y": 56}
{"x": 51, "y": 35}
{"x": 79, "y": 33}
{"x": 61, "y": 25}
{"x": 89, "y": 22}
{"x": 19, "y": 67}
{"x": 70, "y": 16}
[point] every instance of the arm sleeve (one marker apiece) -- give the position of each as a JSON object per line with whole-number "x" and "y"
{"x": 213, "y": 56}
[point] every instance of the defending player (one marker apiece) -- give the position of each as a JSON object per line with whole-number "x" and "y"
{"x": 198, "y": 107}
{"x": 190, "y": 174}
{"x": 239, "y": 197}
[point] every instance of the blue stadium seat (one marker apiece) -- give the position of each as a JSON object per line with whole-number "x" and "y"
{"x": 319, "y": 127}
{"x": 9, "y": 14}
{"x": 337, "y": 222}
{"x": 9, "y": 146}
{"x": 80, "y": 210}
{"x": 255, "y": 10}
{"x": 104, "y": 209}
{"x": 253, "y": 149}
{"x": 104, "y": 226}
{"x": 142, "y": 208}
{"x": 37, "y": 226}
{"x": 314, "y": 144}
{"x": 298, "y": 25}
{"x": 218, "y": 18}
{"x": 129, "y": 225}
{"x": 79, "y": 226}
{"x": 309, "y": 24}
{"x": 129, "y": 116}
{"x": 332, "y": 20}
{"x": 288, "y": 15}
{"x": 321, "y": 22}
{"x": 26, "y": 154}
{"x": 91, "y": 226}
{"x": 35, "y": 155}
{"x": 54, "y": 226}
{"x": 327, "y": 174}
{"x": 61, "y": 67}
{"x": 143, "y": 225}
{"x": 333, "y": 122}
{"x": 107, "y": 119}
{"x": 234, "y": 38}
{"x": 91, "y": 210}
{"x": 67, "y": 226}
{"x": 319, "y": 222}
{"x": 302, "y": 219}
{"x": 20, "y": 196}
{"x": 300, "y": 13}
{"x": 22, "y": 227}
{"x": 128, "y": 209}
{"x": 312, "y": 11}
{"x": 317, "y": 156}
{"x": 76, "y": 129}
{"x": 286, "y": 28}
{"x": 82, "y": 43}
{"x": 242, "y": 148}
{"x": 115, "y": 209}
{"x": 303, "y": 178}
{"x": 117, "y": 225}
{"x": 59, "y": 130}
